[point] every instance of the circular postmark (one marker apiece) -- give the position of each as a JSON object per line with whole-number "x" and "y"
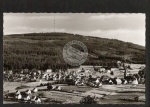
{"x": 75, "y": 53}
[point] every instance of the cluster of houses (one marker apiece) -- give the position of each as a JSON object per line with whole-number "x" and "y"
{"x": 23, "y": 75}
{"x": 81, "y": 77}
{"x": 28, "y": 96}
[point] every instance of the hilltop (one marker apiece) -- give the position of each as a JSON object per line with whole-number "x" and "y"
{"x": 44, "y": 50}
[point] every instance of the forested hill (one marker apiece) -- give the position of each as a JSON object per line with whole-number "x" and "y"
{"x": 44, "y": 50}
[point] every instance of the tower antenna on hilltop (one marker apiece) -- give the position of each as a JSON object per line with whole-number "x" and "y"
{"x": 54, "y": 22}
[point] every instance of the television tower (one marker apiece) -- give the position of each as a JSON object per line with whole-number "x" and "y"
{"x": 54, "y": 22}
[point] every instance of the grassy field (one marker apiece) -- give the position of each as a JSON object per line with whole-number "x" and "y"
{"x": 107, "y": 94}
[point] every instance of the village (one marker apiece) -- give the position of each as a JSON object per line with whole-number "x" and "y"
{"x": 85, "y": 84}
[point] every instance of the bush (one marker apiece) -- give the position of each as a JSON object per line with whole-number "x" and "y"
{"x": 41, "y": 94}
{"x": 49, "y": 87}
{"x": 87, "y": 100}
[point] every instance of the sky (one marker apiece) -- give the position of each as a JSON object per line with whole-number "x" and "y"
{"x": 122, "y": 26}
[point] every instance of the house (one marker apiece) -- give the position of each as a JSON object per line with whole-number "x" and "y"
{"x": 39, "y": 72}
{"x": 27, "y": 98}
{"x": 34, "y": 78}
{"x": 33, "y": 98}
{"x": 44, "y": 76}
{"x": 19, "y": 96}
{"x": 59, "y": 88}
{"x": 34, "y": 73}
{"x": 37, "y": 100}
{"x": 119, "y": 62}
{"x": 47, "y": 74}
{"x": 54, "y": 87}
{"x": 49, "y": 70}
{"x": 113, "y": 69}
{"x": 25, "y": 71}
{"x": 4, "y": 72}
{"x": 10, "y": 72}
{"x": 28, "y": 92}
{"x": 108, "y": 71}
{"x": 21, "y": 71}
{"x": 118, "y": 81}
{"x": 35, "y": 90}
{"x": 102, "y": 69}
{"x": 17, "y": 92}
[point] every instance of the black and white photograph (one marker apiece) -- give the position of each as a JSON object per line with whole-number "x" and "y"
{"x": 74, "y": 58}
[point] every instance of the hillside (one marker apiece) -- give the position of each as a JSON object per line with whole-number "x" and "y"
{"x": 44, "y": 50}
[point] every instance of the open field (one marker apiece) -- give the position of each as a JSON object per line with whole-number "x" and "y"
{"x": 107, "y": 94}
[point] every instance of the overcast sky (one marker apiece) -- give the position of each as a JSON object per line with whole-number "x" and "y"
{"x": 125, "y": 27}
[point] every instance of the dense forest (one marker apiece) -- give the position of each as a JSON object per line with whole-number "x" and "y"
{"x": 44, "y": 50}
